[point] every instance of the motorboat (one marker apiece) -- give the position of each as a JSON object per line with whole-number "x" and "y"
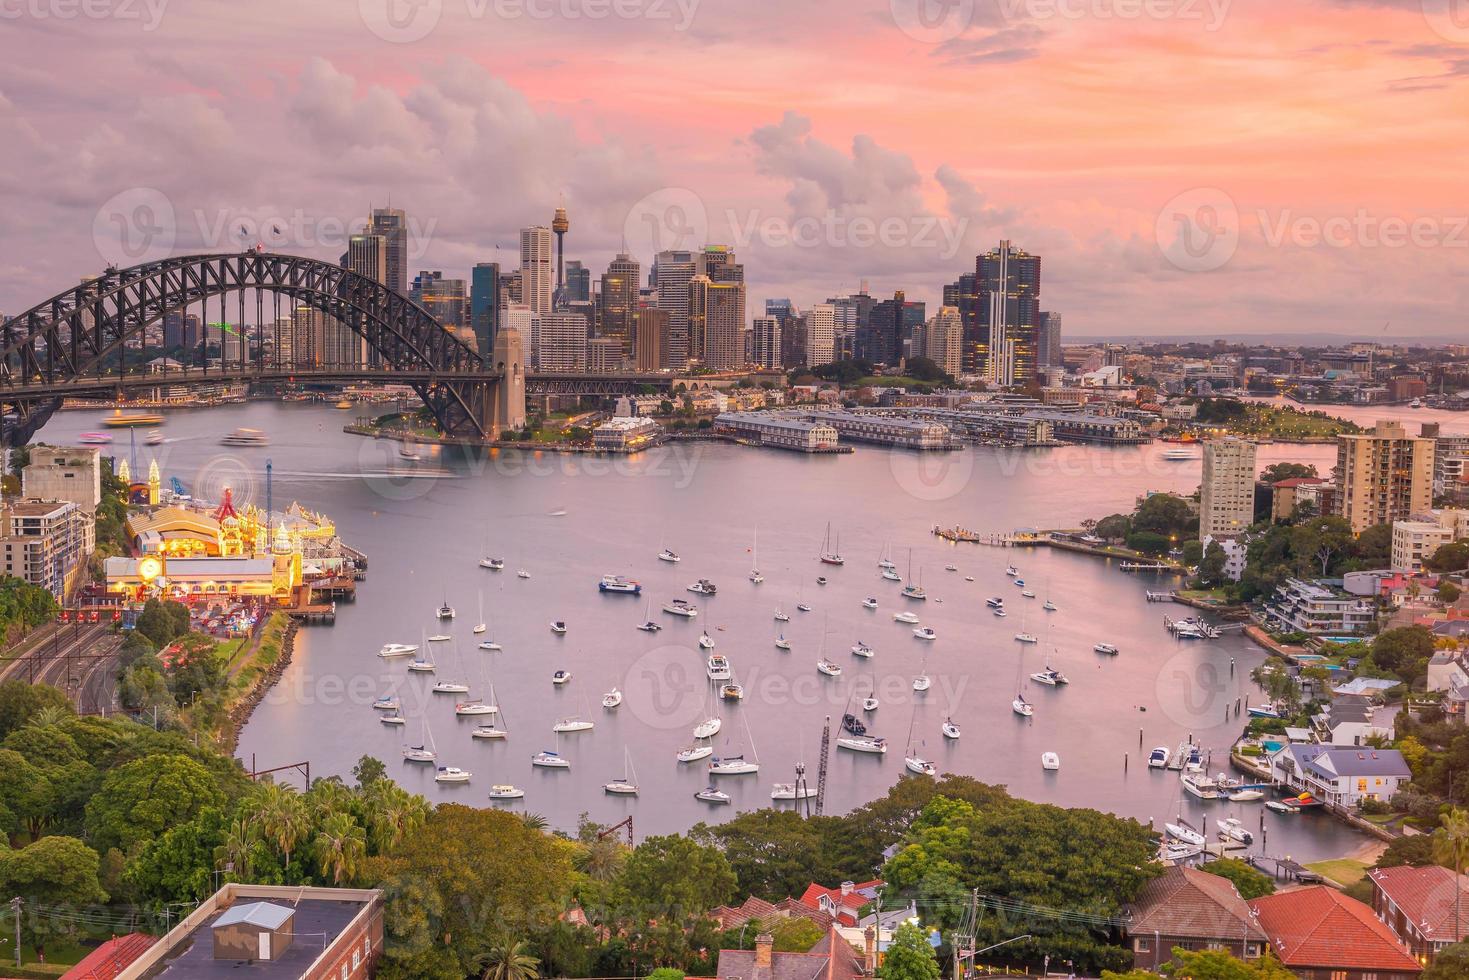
{"x": 388, "y": 702}
{"x": 732, "y": 765}
{"x": 489, "y": 645}
{"x": 1179, "y": 456}
{"x": 522, "y": 573}
{"x": 922, "y": 682}
{"x": 995, "y": 602}
{"x": 905, "y": 617}
{"x": 829, "y": 668}
{"x": 1026, "y": 638}
{"x": 1262, "y": 711}
{"x": 869, "y": 744}
{"x": 97, "y": 438}
{"x": 1106, "y": 648}
{"x": 821, "y": 580}
{"x": 1012, "y": 571}
{"x": 969, "y": 578}
{"x": 1020, "y": 583}
{"x": 681, "y": 607}
{"x": 245, "y": 437}
{"x": 396, "y": 718}
{"x": 860, "y": 649}
{"x": 1246, "y": 796}
{"x": 397, "y": 650}
{"x": 1280, "y": 806}
{"x": 925, "y": 633}
{"x": 571, "y": 725}
{"x": 488, "y": 731}
{"x": 1022, "y": 707}
{"x": 479, "y": 628}
{"x": 452, "y": 774}
{"x": 781, "y": 616}
{"x": 717, "y": 667}
{"x": 546, "y": 759}
{"x": 790, "y": 791}
{"x": 620, "y": 584}
{"x": 711, "y": 795}
{"x": 612, "y": 698}
{"x": 695, "y": 752}
{"x": 732, "y": 692}
{"x": 1178, "y": 851}
{"x": 1050, "y": 761}
{"x": 558, "y": 626}
{"x": 440, "y": 638}
{"x": 951, "y": 568}
{"x": 708, "y": 728}
{"x": 446, "y": 611}
{"x": 706, "y": 642}
{"x": 505, "y": 791}
{"x": 669, "y": 556}
{"x": 1200, "y": 785}
{"x": 451, "y": 687}
{"x": 1183, "y": 832}
{"x": 870, "y": 704}
{"x": 755, "y": 576}
{"x": 891, "y": 575}
{"x": 1158, "y": 758}
{"x": 869, "y": 603}
{"x": 1000, "y": 613}
{"x": 803, "y": 607}
{"x": 1049, "y": 606}
{"x": 493, "y": 564}
{"x": 649, "y": 627}
{"x": 703, "y": 587}
{"x": 781, "y": 643}
{"x": 560, "y": 677}
{"x": 851, "y": 723}
{"x": 920, "y": 766}
{"x": 155, "y": 438}
{"x": 1231, "y": 829}
{"x": 951, "y": 728}
{"x": 1050, "y": 676}
{"x": 475, "y": 707}
{"x": 1027, "y": 594}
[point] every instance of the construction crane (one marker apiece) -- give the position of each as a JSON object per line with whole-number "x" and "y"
{"x": 603, "y": 835}
{"x": 821, "y": 766}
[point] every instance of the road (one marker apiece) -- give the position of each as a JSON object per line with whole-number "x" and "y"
{"x": 78, "y": 658}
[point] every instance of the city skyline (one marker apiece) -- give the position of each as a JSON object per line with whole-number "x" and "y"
{"x": 1080, "y": 159}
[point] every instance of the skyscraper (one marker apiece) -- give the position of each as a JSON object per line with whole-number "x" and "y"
{"x": 560, "y": 342}
{"x": 446, "y": 299}
{"x": 765, "y": 337}
{"x": 881, "y": 341}
{"x": 943, "y": 340}
{"x": 619, "y": 298}
{"x": 392, "y": 225}
{"x": 1383, "y": 476}
{"x": 961, "y": 295}
{"x": 1008, "y": 286}
{"x": 578, "y": 282}
{"x": 367, "y": 255}
{"x": 535, "y": 268}
{"x": 672, "y": 273}
{"x": 1048, "y": 346}
{"x": 820, "y": 334}
{"x": 1227, "y": 493}
{"x": 716, "y": 323}
{"x": 484, "y": 306}
{"x": 651, "y": 343}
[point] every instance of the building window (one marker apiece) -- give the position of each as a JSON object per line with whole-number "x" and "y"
{"x": 1338, "y": 975}
{"x": 357, "y": 959}
{"x": 1369, "y": 976}
{"x": 1142, "y": 945}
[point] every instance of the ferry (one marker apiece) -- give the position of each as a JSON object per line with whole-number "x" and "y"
{"x": 120, "y": 420}
{"x": 246, "y": 437}
{"x": 620, "y": 584}
{"x": 1179, "y": 456}
{"x": 344, "y": 404}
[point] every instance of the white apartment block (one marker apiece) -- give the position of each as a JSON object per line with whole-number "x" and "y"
{"x": 1227, "y": 494}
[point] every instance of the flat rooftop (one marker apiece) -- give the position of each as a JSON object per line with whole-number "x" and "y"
{"x": 318, "y": 923}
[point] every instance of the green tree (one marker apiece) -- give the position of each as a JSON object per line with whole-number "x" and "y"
{"x": 19, "y": 702}
{"x": 1374, "y": 547}
{"x": 1210, "y": 964}
{"x": 143, "y": 798}
{"x": 1193, "y": 552}
{"x": 51, "y": 871}
{"x": 1248, "y": 882}
{"x": 1211, "y": 566}
{"x": 795, "y": 934}
{"x": 909, "y": 956}
{"x": 1276, "y": 472}
{"x": 1319, "y": 543}
{"x": 1448, "y": 591}
{"x": 508, "y": 961}
{"x": 675, "y": 878}
{"x": 1404, "y": 651}
{"x": 1452, "y": 557}
{"x": 368, "y": 771}
{"x": 1115, "y": 527}
{"x": 773, "y": 853}
{"x": 283, "y": 818}
{"x": 176, "y": 866}
{"x": 162, "y": 621}
{"x": 1149, "y": 542}
{"x": 340, "y": 845}
{"x": 1451, "y": 963}
{"x": 1165, "y": 514}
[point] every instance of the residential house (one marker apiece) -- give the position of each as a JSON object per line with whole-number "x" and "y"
{"x": 1349, "y": 720}
{"x": 1320, "y": 934}
{"x": 1426, "y": 908}
{"x": 1449, "y": 673}
{"x": 1340, "y": 775}
{"x": 1190, "y": 909}
{"x": 830, "y": 959}
{"x": 843, "y": 903}
{"x": 1319, "y": 608}
{"x": 761, "y": 912}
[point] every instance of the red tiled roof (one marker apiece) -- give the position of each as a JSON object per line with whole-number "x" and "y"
{"x": 849, "y": 903}
{"x": 832, "y": 958}
{"x": 111, "y": 958}
{"x": 1427, "y": 898}
{"x": 1300, "y": 481}
{"x": 1192, "y": 904}
{"x": 1321, "y": 928}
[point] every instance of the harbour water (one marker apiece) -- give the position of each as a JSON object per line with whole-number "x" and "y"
{"x": 569, "y": 520}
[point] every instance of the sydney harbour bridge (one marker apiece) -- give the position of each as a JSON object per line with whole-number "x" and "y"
{"x": 87, "y": 342}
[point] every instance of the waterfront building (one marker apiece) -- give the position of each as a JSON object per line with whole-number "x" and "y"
{"x": 484, "y": 306}
{"x": 535, "y": 268}
{"x": 277, "y": 932}
{"x": 1383, "y": 476}
{"x": 1340, "y": 775}
{"x": 391, "y": 224}
{"x": 1188, "y": 908}
{"x": 1423, "y": 906}
{"x": 46, "y": 543}
{"x": 64, "y": 473}
{"x": 559, "y": 342}
{"x": 626, "y": 434}
{"x": 619, "y": 300}
{"x": 1007, "y": 298}
{"x": 779, "y": 431}
{"x": 1288, "y": 496}
{"x": 1236, "y": 554}
{"x": 1413, "y": 541}
{"x": 1298, "y": 606}
{"x": 1227, "y": 494}
{"x": 886, "y": 430}
{"x": 1317, "y": 931}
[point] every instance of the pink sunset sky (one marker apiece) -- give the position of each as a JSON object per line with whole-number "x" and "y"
{"x": 1183, "y": 166}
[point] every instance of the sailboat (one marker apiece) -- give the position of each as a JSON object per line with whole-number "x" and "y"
{"x": 755, "y": 575}
{"x": 709, "y": 727}
{"x": 911, "y": 758}
{"x": 627, "y": 785}
{"x": 911, "y": 590}
{"x": 883, "y": 561}
{"x": 737, "y": 765}
{"x": 831, "y": 555}
{"x": 695, "y": 752}
{"x": 452, "y": 686}
{"x": 781, "y": 616}
{"x": 922, "y": 682}
{"x": 480, "y": 626}
{"x": 492, "y": 730}
{"x": 421, "y": 664}
{"x": 648, "y": 625}
{"x": 424, "y": 751}
{"x": 489, "y": 643}
{"x": 612, "y": 698}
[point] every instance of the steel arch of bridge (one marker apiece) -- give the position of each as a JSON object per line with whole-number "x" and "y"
{"x": 75, "y": 344}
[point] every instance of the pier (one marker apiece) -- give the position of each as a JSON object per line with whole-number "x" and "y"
{"x": 1015, "y": 539}
{"x": 1162, "y": 596}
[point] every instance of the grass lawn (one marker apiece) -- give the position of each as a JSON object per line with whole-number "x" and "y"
{"x": 1344, "y": 871}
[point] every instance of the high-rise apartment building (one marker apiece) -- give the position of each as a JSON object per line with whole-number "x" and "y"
{"x": 446, "y": 299}
{"x": 881, "y": 341}
{"x": 943, "y": 340}
{"x": 537, "y": 278}
{"x": 672, "y": 273}
{"x": 484, "y": 306}
{"x": 765, "y": 342}
{"x": 1048, "y": 341}
{"x": 559, "y": 342}
{"x": 650, "y": 344}
{"x": 1007, "y": 296}
{"x": 46, "y": 542}
{"x": 717, "y": 323}
{"x": 391, "y": 224}
{"x": 1227, "y": 494}
{"x": 1383, "y": 476}
{"x": 181, "y": 330}
{"x": 821, "y": 327}
{"x": 619, "y": 300}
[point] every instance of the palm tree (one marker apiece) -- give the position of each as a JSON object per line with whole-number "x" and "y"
{"x": 533, "y": 821}
{"x": 393, "y": 813}
{"x": 283, "y": 818}
{"x": 50, "y": 716}
{"x": 1451, "y": 847}
{"x": 234, "y": 853}
{"x": 340, "y": 846}
{"x": 508, "y": 961}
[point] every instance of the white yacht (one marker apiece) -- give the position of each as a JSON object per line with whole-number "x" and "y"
{"x": 504, "y": 791}
{"x": 612, "y": 698}
{"x": 440, "y": 638}
{"x": 914, "y": 592}
{"x": 920, "y": 766}
{"x": 717, "y": 667}
{"x": 627, "y": 784}
{"x": 489, "y": 645}
{"x": 869, "y": 603}
{"x": 397, "y": 650}
{"x": 781, "y": 643}
{"x": 560, "y": 677}
{"x": 649, "y": 627}
{"x": 669, "y": 556}
{"x": 1050, "y": 761}
{"x": 1182, "y": 831}
{"x": 550, "y": 760}
{"x": 863, "y": 743}
{"x": 446, "y": 611}
{"x": 703, "y": 587}
{"x": 488, "y": 731}
{"x": 1231, "y": 829}
{"x": 1158, "y": 758}
{"x": 522, "y": 573}
{"x": 708, "y": 728}
{"x": 1050, "y": 676}
{"x": 694, "y": 753}
{"x": 781, "y": 616}
{"x": 870, "y": 704}
{"x": 475, "y": 707}
{"x": 1012, "y": 571}
{"x": 452, "y": 774}
{"x": 479, "y": 628}
{"x": 493, "y": 564}
{"x": 995, "y": 602}
{"x": 951, "y": 728}
{"x": 803, "y": 607}
{"x": 951, "y": 568}
{"x": 1200, "y": 785}
{"x": 711, "y": 795}
{"x": 790, "y": 791}
{"x": 891, "y": 575}
{"x": 396, "y": 718}
{"x": 388, "y": 702}
{"x": 706, "y": 642}
{"x": 558, "y": 626}
{"x": 450, "y": 687}
{"x": 571, "y": 725}
{"x": 905, "y": 617}
{"x": 732, "y": 765}
{"x": 860, "y": 649}
{"x": 829, "y": 668}
{"x": 620, "y": 584}
{"x": 421, "y": 666}
{"x": 1106, "y": 648}
{"x": 925, "y": 633}
{"x": 1049, "y": 606}
{"x": 1021, "y": 706}
{"x": 1026, "y": 638}
{"x": 922, "y": 683}
{"x": 681, "y": 607}
{"x": 1028, "y": 594}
